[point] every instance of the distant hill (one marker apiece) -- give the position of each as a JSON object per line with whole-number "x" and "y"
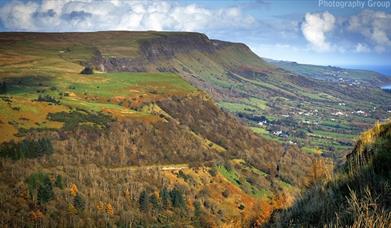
{"x": 332, "y": 73}
{"x": 358, "y": 196}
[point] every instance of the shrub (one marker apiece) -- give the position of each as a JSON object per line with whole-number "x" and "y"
{"x": 48, "y": 98}
{"x": 213, "y": 171}
{"x": 73, "y": 119}
{"x": 225, "y": 193}
{"x": 87, "y": 70}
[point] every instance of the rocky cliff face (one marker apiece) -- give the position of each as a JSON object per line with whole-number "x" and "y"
{"x": 116, "y": 64}
{"x": 163, "y": 47}
{"x": 166, "y": 46}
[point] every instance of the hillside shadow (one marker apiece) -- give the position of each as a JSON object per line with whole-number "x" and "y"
{"x": 14, "y": 85}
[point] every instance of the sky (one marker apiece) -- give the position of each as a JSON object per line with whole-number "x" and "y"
{"x": 335, "y": 32}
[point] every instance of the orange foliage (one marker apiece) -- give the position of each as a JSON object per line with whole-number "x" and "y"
{"x": 100, "y": 206}
{"x": 73, "y": 190}
{"x": 109, "y": 209}
{"x": 36, "y": 215}
{"x": 280, "y": 201}
{"x": 266, "y": 210}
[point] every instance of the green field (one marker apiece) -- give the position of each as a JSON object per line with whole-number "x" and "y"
{"x": 115, "y": 93}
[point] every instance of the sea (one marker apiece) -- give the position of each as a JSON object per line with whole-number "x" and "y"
{"x": 382, "y": 69}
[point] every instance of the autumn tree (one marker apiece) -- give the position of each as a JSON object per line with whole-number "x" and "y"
{"x": 100, "y": 206}
{"x": 73, "y": 190}
{"x": 321, "y": 170}
{"x": 109, "y": 209}
{"x": 36, "y": 215}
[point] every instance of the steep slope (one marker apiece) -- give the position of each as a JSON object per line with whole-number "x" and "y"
{"x": 278, "y": 104}
{"x": 359, "y": 196}
{"x": 127, "y": 148}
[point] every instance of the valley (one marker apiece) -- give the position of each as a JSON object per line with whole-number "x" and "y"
{"x": 165, "y": 128}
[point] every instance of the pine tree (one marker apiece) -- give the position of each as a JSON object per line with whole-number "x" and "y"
{"x": 59, "y": 182}
{"x": 165, "y": 197}
{"x": 3, "y": 88}
{"x": 154, "y": 201}
{"x": 79, "y": 203}
{"x": 24, "y": 149}
{"x": 197, "y": 214}
{"x": 144, "y": 201}
{"x": 45, "y": 191}
{"x": 197, "y": 209}
{"x": 177, "y": 198}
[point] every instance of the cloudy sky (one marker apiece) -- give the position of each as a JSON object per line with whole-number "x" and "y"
{"x": 307, "y": 31}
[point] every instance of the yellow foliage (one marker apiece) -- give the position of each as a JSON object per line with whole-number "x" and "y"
{"x": 127, "y": 193}
{"x": 73, "y": 190}
{"x": 100, "y": 206}
{"x": 71, "y": 209}
{"x": 321, "y": 170}
{"x": 109, "y": 209}
{"x": 377, "y": 127}
{"x": 368, "y": 137}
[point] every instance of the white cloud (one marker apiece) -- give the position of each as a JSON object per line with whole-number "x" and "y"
{"x": 315, "y": 27}
{"x": 87, "y": 15}
{"x": 362, "y": 48}
{"x": 374, "y": 26}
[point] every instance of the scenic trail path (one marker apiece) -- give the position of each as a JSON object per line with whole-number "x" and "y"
{"x": 169, "y": 167}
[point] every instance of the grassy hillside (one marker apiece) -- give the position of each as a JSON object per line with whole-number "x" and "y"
{"x": 126, "y": 148}
{"x": 358, "y": 196}
{"x": 281, "y": 105}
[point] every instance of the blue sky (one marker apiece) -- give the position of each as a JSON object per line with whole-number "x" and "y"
{"x": 336, "y": 32}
